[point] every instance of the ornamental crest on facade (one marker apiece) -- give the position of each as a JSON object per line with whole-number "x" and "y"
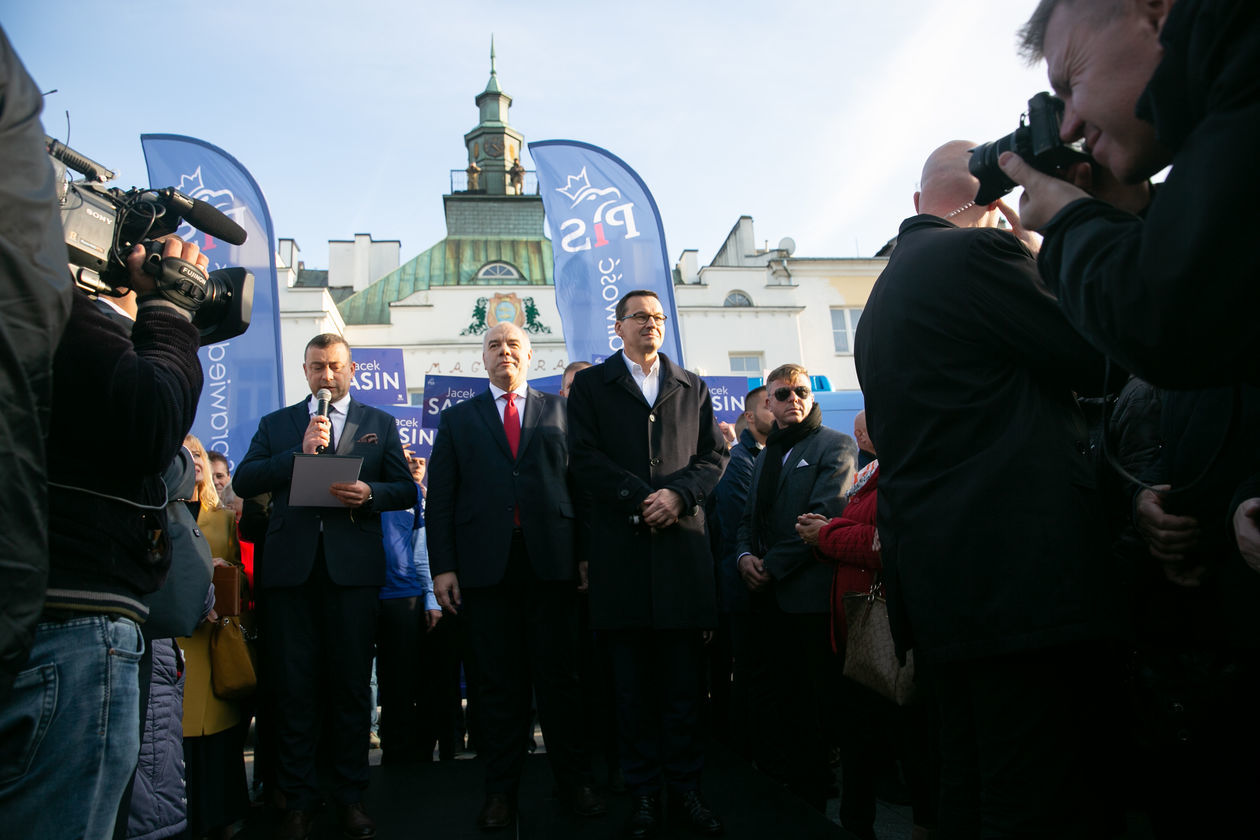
{"x": 505, "y": 307}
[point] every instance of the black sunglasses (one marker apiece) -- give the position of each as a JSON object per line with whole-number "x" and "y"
{"x": 784, "y": 394}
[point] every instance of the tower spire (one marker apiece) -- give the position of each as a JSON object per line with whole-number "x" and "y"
{"x": 492, "y": 86}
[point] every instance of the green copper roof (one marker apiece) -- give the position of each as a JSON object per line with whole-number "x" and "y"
{"x": 454, "y": 261}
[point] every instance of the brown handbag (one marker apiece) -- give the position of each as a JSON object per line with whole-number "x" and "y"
{"x": 232, "y": 674}
{"x": 227, "y": 590}
{"x": 870, "y": 658}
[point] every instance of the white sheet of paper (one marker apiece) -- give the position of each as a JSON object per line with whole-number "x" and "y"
{"x": 312, "y": 474}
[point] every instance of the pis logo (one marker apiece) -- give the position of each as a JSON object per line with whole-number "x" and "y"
{"x": 609, "y": 209}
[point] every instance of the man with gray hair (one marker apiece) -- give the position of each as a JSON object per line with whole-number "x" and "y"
{"x": 1148, "y": 83}
{"x": 993, "y": 546}
{"x": 502, "y": 539}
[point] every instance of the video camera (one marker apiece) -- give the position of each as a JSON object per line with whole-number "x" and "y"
{"x": 1036, "y": 141}
{"x": 102, "y": 226}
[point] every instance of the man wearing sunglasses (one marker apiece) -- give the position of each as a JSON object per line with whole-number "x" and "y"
{"x": 804, "y": 468}
{"x": 645, "y": 453}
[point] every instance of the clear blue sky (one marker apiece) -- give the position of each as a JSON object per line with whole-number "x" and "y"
{"x": 812, "y": 117}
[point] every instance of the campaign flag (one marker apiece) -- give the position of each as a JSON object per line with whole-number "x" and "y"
{"x": 727, "y": 393}
{"x": 379, "y": 376}
{"x": 441, "y": 392}
{"x": 607, "y": 239}
{"x": 242, "y": 375}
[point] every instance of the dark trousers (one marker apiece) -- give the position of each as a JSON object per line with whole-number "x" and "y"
{"x": 401, "y": 681}
{"x": 720, "y": 710}
{"x": 1027, "y": 745}
{"x": 524, "y": 634}
{"x": 742, "y": 719}
{"x": 599, "y": 702}
{"x": 319, "y": 658}
{"x": 873, "y": 733}
{"x": 792, "y": 688}
{"x": 658, "y": 676}
{"x": 442, "y": 714}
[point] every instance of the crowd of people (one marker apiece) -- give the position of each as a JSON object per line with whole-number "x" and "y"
{"x": 1054, "y": 486}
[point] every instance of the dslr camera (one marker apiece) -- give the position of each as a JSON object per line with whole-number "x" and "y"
{"x": 102, "y": 226}
{"x": 1036, "y": 141}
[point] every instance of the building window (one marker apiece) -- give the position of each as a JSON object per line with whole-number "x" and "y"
{"x": 843, "y": 327}
{"x": 497, "y": 272}
{"x": 737, "y": 298}
{"x": 746, "y": 364}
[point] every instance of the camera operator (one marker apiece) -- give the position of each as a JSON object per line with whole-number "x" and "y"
{"x": 1172, "y": 297}
{"x": 107, "y": 551}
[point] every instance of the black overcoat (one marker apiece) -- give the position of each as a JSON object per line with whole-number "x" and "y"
{"x": 621, "y": 450}
{"x": 991, "y": 529}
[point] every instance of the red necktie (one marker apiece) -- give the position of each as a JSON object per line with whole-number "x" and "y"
{"x": 512, "y": 428}
{"x": 512, "y": 423}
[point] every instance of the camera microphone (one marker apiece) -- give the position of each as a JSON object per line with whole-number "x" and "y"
{"x": 207, "y": 218}
{"x": 322, "y": 398}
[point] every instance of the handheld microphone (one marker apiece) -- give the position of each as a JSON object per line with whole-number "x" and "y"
{"x": 322, "y": 398}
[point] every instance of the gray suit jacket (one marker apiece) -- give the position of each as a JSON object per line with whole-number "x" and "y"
{"x": 814, "y": 478}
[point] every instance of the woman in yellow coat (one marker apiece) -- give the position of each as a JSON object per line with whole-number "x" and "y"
{"x": 214, "y": 729}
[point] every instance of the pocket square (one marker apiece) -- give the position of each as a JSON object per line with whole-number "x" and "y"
{"x": 370, "y": 437}
{"x": 802, "y": 463}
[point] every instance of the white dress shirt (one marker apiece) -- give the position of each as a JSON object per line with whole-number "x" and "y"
{"x": 501, "y": 404}
{"x": 649, "y": 382}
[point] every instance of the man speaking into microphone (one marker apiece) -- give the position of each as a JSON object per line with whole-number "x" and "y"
{"x": 323, "y": 569}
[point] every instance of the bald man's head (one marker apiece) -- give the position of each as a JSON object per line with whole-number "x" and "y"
{"x": 947, "y": 188}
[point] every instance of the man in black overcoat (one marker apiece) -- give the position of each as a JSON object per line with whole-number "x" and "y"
{"x": 994, "y": 549}
{"x": 646, "y": 453}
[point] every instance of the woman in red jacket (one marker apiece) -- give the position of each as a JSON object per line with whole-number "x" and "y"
{"x": 848, "y": 541}
{"x": 871, "y": 724}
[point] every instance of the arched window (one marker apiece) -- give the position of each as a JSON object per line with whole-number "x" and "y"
{"x": 737, "y": 298}
{"x": 498, "y": 272}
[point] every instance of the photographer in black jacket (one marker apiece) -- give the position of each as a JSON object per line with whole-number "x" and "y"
{"x": 70, "y": 729}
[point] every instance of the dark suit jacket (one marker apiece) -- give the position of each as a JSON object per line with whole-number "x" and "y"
{"x": 621, "y": 450}
{"x": 727, "y": 509}
{"x": 474, "y": 483}
{"x": 992, "y": 535}
{"x": 815, "y": 475}
{"x": 353, "y": 545}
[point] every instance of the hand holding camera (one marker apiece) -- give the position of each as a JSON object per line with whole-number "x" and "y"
{"x": 170, "y": 255}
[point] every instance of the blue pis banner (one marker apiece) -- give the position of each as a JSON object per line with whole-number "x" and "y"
{"x": 242, "y": 375}
{"x": 607, "y": 239}
{"x": 380, "y": 377}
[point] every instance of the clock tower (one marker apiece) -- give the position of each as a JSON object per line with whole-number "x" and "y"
{"x": 493, "y": 146}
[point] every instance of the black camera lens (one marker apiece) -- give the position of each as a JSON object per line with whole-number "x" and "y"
{"x": 225, "y": 312}
{"x": 1036, "y": 140}
{"x": 994, "y": 183}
